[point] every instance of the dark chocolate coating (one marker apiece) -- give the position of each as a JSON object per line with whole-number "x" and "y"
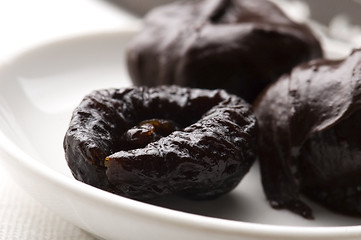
{"x": 310, "y": 136}
{"x": 237, "y": 45}
{"x": 203, "y": 146}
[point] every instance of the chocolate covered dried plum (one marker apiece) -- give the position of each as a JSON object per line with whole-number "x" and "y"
{"x": 310, "y": 136}
{"x": 237, "y": 45}
{"x": 147, "y": 142}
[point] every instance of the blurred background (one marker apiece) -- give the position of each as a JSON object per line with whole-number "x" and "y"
{"x": 341, "y": 19}
{"x": 321, "y": 10}
{"x": 26, "y": 22}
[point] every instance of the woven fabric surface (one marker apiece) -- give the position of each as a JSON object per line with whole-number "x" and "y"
{"x": 23, "y": 218}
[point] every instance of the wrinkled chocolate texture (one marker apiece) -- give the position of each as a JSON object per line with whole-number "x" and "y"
{"x": 148, "y": 142}
{"x": 237, "y": 45}
{"x": 310, "y": 139}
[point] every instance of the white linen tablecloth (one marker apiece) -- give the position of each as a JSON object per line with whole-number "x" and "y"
{"x": 23, "y": 24}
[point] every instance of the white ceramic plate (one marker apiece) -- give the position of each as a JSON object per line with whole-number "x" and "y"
{"x": 38, "y": 91}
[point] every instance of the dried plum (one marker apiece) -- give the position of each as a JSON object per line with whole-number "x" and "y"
{"x": 237, "y": 45}
{"x": 310, "y": 139}
{"x": 147, "y": 142}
